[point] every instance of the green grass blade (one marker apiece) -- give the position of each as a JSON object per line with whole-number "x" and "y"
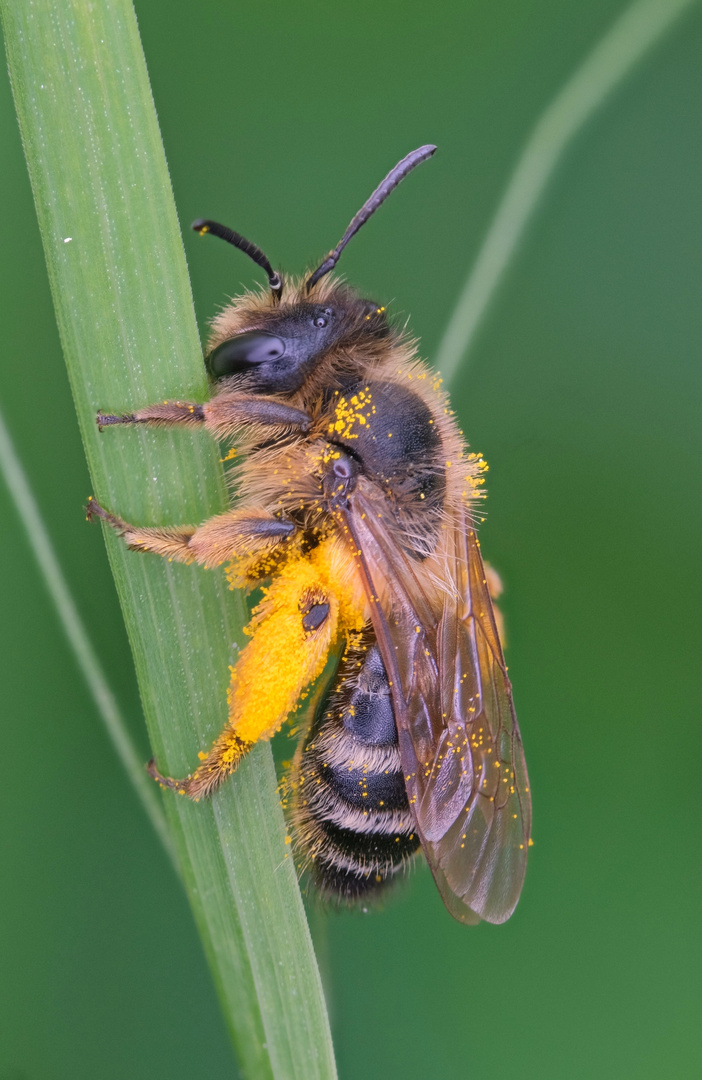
{"x": 636, "y": 31}
{"x": 125, "y": 316}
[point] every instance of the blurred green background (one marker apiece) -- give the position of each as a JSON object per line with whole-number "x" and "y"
{"x": 582, "y": 392}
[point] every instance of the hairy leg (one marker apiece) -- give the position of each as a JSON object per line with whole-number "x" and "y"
{"x": 223, "y": 416}
{"x": 164, "y": 414}
{"x": 236, "y": 534}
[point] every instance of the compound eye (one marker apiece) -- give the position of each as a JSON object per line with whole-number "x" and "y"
{"x": 323, "y": 318}
{"x": 243, "y": 352}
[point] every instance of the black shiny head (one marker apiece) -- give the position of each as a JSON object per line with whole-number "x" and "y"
{"x": 244, "y": 352}
{"x": 278, "y": 356}
{"x": 280, "y": 346}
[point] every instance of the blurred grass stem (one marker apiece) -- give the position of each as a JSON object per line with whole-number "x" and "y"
{"x": 636, "y": 31}
{"x": 86, "y": 658}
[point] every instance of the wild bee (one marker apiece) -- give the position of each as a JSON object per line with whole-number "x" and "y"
{"x": 355, "y": 514}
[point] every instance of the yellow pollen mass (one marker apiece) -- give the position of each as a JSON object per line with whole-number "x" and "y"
{"x": 282, "y": 660}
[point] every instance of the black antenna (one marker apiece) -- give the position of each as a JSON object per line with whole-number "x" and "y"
{"x": 370, "y": 206}
{"x": 275, "y": 281}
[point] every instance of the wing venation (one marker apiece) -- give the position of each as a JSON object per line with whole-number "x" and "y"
{"x": 459, "y": 741}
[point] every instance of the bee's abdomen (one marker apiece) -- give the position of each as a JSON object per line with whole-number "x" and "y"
{"x": 352, "y": 819}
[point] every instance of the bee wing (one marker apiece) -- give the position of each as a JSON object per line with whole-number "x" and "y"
{"x": 459, "y": 741}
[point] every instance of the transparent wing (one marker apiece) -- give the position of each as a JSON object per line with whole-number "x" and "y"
{"x": 459, "y": 740}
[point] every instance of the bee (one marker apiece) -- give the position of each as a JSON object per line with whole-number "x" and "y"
{"x": 355, "y": 516}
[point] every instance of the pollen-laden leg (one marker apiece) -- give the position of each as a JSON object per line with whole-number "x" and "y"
{"x": 223, "y": 416}
{"x": 312, "y": 602}
{"x": 243, "y": 535}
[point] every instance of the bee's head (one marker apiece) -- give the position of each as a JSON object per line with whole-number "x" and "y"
{"x": 271, "y": 344}
{"x": 280, "y": 345}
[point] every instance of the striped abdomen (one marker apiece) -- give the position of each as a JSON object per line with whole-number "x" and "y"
{"x": 350, "y": 811}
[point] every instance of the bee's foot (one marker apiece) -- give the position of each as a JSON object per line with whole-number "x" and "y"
{"x": 106, "y": 419}
{"x": 94, "y": 510}
{"x": 180, "y": 786}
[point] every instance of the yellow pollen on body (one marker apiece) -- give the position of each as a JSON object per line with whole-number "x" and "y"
{"x": 350, "y": 412}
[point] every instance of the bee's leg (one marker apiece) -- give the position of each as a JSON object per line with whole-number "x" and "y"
{"x": 496, "y": 588}
{"x": 164, "y": 414}
{"x": 230, "y": 536}
{"x": 293, "y": 630}
{"x": 228, "y": 411}
{"x": 223, "y": 416}
{"x": 494, "y": 581}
